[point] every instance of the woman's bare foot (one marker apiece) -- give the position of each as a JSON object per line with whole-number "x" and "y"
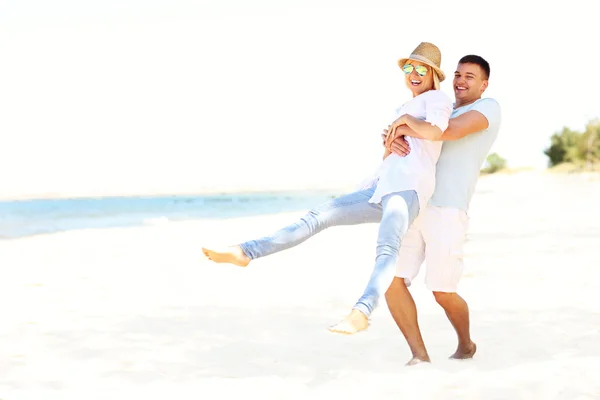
{"x": 465, "y": 352}
{"x": 354, "y": 322}
{"x": 418, "y": 360}
{"x": 231, "y": 255}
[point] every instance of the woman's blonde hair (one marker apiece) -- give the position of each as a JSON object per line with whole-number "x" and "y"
{"x": 436, "y": 80}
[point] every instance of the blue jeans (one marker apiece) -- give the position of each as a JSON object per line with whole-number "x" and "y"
{"x": 395, "y": 214}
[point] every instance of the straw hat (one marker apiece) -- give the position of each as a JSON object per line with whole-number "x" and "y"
{"x": 428, "y": 54}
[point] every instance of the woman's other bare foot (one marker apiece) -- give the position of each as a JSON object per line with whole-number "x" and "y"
{"x": 356, "y": 321}
{"x": 418, "y": 360}
{"x": 231, "y": 255}
{"x": 464, "y": 352}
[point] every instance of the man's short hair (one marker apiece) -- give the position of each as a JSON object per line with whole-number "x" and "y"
{"x": 473, "y": 59}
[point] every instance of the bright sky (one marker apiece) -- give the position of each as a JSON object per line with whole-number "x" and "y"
{"x": 137, "y": 95}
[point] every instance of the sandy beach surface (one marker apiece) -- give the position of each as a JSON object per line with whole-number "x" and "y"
{"x": 138, "y": 313}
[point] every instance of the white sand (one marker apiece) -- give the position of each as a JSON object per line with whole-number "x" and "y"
{"x": 138, "y": 314}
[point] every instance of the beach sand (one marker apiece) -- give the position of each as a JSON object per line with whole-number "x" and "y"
{"x": 138, "y": 313}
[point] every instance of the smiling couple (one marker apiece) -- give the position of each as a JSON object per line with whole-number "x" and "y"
{"x": 419, "y": 195}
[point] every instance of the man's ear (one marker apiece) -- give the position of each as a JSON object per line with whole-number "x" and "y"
{"x": 484, "y": 86}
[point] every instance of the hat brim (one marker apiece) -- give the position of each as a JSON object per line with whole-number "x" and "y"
{"x": 422, "y": 60}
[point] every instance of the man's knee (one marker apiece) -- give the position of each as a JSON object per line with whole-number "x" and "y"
{"x": 397, "y": 285}
{"x": 444, "y": 298}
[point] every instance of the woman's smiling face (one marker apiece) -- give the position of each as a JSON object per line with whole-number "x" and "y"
{"x": 418, "y": 77}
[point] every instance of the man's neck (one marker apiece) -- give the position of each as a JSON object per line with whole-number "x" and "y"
{"x": 459, "y": 103}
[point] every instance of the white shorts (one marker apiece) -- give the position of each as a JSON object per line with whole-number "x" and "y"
{"x": 437, "y": 237}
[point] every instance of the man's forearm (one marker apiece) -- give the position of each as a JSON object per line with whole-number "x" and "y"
{"x": 452, "y": 134}
{"x": 449, "y": 134}
{"x": 465, "y": 124}
{"x": 405, "y": 130}
{"x": 458, "y": 127}
{"x": 423, "y": 128}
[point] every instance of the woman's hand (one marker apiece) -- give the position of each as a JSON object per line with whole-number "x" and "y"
{"x": 384, "y": 136}
{"x": 391, "y": 135}
{"x": 398, "y": 145}
{"x": 398, "y": 122}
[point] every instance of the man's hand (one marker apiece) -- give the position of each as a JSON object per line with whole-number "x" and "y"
{"x": 400, "y": 146}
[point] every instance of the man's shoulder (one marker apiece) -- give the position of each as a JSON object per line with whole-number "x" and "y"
{"x": 484, "y": 102}
{"x": 487, "y": 100}
{"x": 487, "y": 104}
{"x": 489, "y": 107}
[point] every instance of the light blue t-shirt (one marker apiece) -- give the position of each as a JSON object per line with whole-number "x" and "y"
{"x": 457, "y": 169}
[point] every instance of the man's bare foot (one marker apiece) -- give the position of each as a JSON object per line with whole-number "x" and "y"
{"x": 231, "y": 255}
{"x": 356, "y": 321}
{"x": 466, "y": 352}
{"x": 418, "y": 360}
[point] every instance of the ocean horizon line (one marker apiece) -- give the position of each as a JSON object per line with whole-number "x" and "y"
{"x": 174, "y": 193}
{"x": 19, "y": 218}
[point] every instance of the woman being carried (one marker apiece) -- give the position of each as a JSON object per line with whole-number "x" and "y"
{"x": 402, "y": 186}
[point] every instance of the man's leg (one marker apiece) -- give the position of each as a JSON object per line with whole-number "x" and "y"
{"x": 457, "y": 310}
{"x": 444, "y": 232}
{"x": 399, "y": 300}
{"x": 404, "y": 311}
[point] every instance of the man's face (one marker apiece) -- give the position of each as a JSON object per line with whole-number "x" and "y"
{"x": 469, "y": 82}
